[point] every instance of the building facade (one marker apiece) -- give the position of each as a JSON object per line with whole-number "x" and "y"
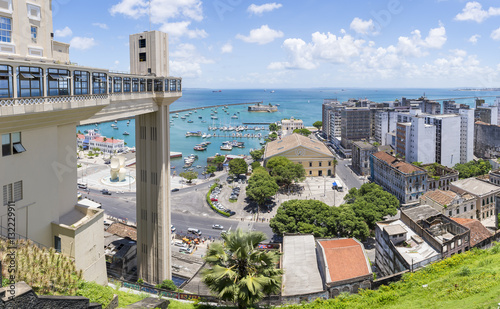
{"x": 289, "y": 125}
{"x": 43, "y": 97}
{"x": 355, "y": 125}
{"x": 361, "y": 152}
{"x": 331, "y": 112}
{"x": 486, "y": 140}
{"x": 439, "y": 176}
{"x": 385, "y": 122}
{"x": 404, "y": 180}
{"x": 312, "y": 154}
{"x": 451, "y": 204}
{"x": 485, "y": 194}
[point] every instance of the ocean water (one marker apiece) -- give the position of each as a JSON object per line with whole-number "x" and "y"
{"x": 302, "y": 104}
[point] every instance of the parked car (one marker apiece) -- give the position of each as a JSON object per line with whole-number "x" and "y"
{"x": 175, "y": 189}
{"x": 217, "y": 227}
{"x": 185, "y": 250}
{"x": 82, "y": 186}
{"x": 172, "y": 228}
{"x": 105, "y": 192}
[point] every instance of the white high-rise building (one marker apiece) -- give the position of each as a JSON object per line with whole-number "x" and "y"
{"x": 385, "y": 122}
{"x": 466, "y": 135}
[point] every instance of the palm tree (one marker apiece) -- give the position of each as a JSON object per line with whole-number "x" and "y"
{"x": 239, "y": 272}
{"x": 335, "y": 163}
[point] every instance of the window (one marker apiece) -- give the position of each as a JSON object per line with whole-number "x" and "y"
{"x": 310, "y": 164}
{"x": 142, "y": 57}
{"x": 11, "y": 144}
{"x": 6, "y": 6}
{"x": 458, "y": 211}
{"x": 142, "y": 85}
{"x": 12, "y": 192}
{"x": 110, "y": 83}
{"x": 126, "y": 84}
{"x": 5, "y": 29}
{"x": 5, "y": 81}
{"x": 99, "y": 83}
{"x": 310, "y": 172}
{"x": 329, "y": 163}
{"x": 173, "y": 85}
{"x": 150, "y": 85}
{"x": 30, "y": 82}
{"x": 81, "y": 82}
{"x": 135, "y": 85}
{"x": 57, "y": 243}
{"x": 117, "y": 84}
{"x": 34, "y": 12}
{"x": 320, "y": 164}
{"x": 158, "y": 85}
{"x": 58, "y": 82}
{"x": 34, "y": 34}
{"x": 142, "y": 43}
{"x": 465, "y": 208}
{"x": 445, "y": 249}
{"x": 459, "y": 242}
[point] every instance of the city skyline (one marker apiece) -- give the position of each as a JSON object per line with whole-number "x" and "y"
{"x": 236, "y": 44}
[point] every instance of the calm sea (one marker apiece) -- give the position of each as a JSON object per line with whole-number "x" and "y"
{"x": 303, "y": 104}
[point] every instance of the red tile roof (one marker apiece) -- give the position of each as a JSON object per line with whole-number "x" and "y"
{"x": 402, "y": 166}
{"x": 478, "y": 232}
{"x": 345, "y": 259}
{"x": 100, "y": 139}
{"x": 123, "y": 230}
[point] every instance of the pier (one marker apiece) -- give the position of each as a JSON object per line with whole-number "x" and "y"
{"x": 212, "y": 106}
{"x": 257, "y": 123}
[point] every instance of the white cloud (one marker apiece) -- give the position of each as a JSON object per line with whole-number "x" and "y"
{"x": 101, "y": 25}
{"x": 415, "y": 46}
{"x": 186, "y": 61}
{"x": 324, "y": 47}
{"x": 474, "y": 11}
{"x": 82, "y": 43}
{"x": 63, "y": 32}
{"x": 262, "y": 35}
{"x": 164, "y": 10}
{"x": 473, "y": 39}
{"x": 181, "y": 29}
{"x": 495, "y": 35}
{"x": 264, "y": 8}
{"x": 227, "y": 48}
{"x": 363, "y": 27}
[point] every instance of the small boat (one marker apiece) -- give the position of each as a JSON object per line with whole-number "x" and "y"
{"x": 214, "y": 117}
{"x": 190, "y": 121}
{"x": 234, "y": 116}
{"x": 115, "y": 127}
{"x": 203, "y": 121}
{"x": 204, "y": 135}
{"x": 199, "y": 117}
{"x": 175, "y": 116}
{"x": 226, "y": 147}
{"x": 126, "y": 133}
{"x": 198, "y": 166}
{"x": 116, "y": 121}
{"x": 128, "y": 122}
{"x": 183, "y": 118}
{"x": 199, "y": 148}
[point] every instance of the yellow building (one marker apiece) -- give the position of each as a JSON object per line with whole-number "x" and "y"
{"x": 316, "y": 158}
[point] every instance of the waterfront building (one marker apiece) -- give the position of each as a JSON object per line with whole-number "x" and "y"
{"x": 421, "y": 236}
{"x": 314, "y": 156}
{"x": 43, "y": 98}
{"x": 355, "y": 125}
{"x": 450, "y": 203}
{"x": 289, "y": 125}
{"x": 92, "y": 140}
{"x": 485, "y": 194}
{"x": 404, "y": 180}
{"x": 361, "y": 152}
{"x": 486, "y": 140}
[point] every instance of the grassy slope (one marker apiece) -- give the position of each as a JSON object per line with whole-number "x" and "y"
{"x": 467, "y": 280}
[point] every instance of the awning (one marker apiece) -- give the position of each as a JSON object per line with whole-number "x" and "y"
{"x": 334, "y": 184}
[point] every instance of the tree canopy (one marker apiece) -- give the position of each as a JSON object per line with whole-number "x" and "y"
{"x": 238, "y": 166}
{"x": 284, "y": 171}
{"x": 239, "y": 272}
{"x": 303, "y": 131}
{"x": 317, "y": 218}
{"x": 318, "y": 124}
{"x": 273, "y": 127}
{"x": 273, "y": 136}
{"x": 261, "y": 186}
{"x": 473, "y": 168}
{"x": 189, "y": 175}
{"x": 211, "y": 169}
{"x": 257, "y": 154}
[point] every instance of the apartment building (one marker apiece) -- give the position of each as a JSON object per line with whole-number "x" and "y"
{"x": 331, "y": 117}
{"x": 355, "y": 125}
{"x": 385, "y": 122}
{"x": 43, "y": 97}
{"x": 404, "y": 180}
{"x": 451, "y": 107}
{"x": 416, "y": 141}
{"x": 361, "y": 152}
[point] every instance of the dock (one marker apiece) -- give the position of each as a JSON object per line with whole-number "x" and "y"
{"x": 212, "y": 106}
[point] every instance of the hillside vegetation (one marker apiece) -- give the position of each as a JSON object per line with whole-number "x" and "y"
{"x": 467, "y": 280}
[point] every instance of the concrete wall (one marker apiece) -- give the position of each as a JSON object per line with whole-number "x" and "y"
{"x": 156, "y": 51}
{"x": 487, "y": 141}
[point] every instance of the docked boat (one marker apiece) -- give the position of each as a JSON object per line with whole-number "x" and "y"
{"x": 214, "y": 117}
{"x": 113, "y": 125}
{"x": 190, "y": 121}
{"x": 203, "y": 121}
{"x": 175, "y": 116}
{"x": 126, "y": 133}
{"x": 203, "y": 135}
{"x": 183, "y": 118}
{"x": 199, "y": 148}
{"x": 226, "y": 147}
{"x": 194, "y": 133}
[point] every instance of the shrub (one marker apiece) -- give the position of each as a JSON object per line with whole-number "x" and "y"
{"x": 212, "y": 205}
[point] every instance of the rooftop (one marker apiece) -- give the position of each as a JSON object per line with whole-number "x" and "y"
{"x": 123, "y": 230}
{"x": 441, "y": 197}
{"x": 476, "y": 187}
{"x": 394, "y": 229}
{"x": 420, "y": 212}
{"x": 402, "y": 166}
{"x": 345, "y": 258}
{"x": 418, "y": 251}
{"x": 364, "y": 145}
{"x": 293, "y": 141}
{"x": 301, "y": 273}
{"x": 478, "y": 232}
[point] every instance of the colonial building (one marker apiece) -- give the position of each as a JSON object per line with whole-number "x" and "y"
{"x": 288, "y": 125}
{"x": 404, "y": 180}
{"x": 314, "y": 156}
{"x": 450, "y": 203}
{"x": 43, "y": 97}
{"x": 440, "y": 176}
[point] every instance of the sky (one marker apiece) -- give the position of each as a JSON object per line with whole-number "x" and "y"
{"x": 226, "y": 44}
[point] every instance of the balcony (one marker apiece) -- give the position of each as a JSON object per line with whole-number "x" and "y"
{"x": 65, "y": 93}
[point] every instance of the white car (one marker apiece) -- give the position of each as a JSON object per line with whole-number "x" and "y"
{"x": 217, "y": 227}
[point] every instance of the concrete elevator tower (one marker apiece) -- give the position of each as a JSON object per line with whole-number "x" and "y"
{"x": 149, "y": 56}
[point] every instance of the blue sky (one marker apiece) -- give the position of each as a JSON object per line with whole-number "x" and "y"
{"x": 307, "y": 43}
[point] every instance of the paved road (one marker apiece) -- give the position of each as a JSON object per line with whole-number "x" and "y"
{"x": 345, "y": 172}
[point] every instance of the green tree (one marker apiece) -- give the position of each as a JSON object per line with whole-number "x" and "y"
{"x": 219, "y": 160}
{"x": 277, "y": 161}
{"x": 167, "y": 285}
{"x": 239, "y": 272}
{"x": 255, "y": 165}
{"x": 189, "y": 175}
{"x": 335, "y": 163}
{"x": 257, "y": 154}
{"x": 285, "y": 171}
{"x": 273, "y": 127}
{"x": 238, "y": 166}
{"x": 261, "y": 186}
{"x": 416, "y": 163}
{"x": 303, "y": 131}
{"x": 473, "y": 168}
{"x": 273, "y": 136}
{"x": 211, "y": 170}
{"x": 318, "y": 124}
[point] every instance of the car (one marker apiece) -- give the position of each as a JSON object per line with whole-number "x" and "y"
{"x": 82, "y": 186}
{"x": 213, "y": 199}
{"x": 105, "y": 192}
{"x": 172, "y": 228}
{"x": 175, "y": 189}
{"x": 185, "y": 250}
{"x": 217, "y": 227}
